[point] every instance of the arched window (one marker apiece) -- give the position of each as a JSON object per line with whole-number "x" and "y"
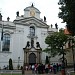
{"x": 32, "y": 31}
{"x": 6, "y": 42}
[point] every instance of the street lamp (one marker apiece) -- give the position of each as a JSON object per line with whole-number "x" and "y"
{"x": 49, "y": 59}
{"x": 49, "y": 53}
{"x": 18, "y": 62}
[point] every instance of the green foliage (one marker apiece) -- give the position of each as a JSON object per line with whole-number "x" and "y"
{"x": 55, "y": 43}
{"x": 10, "y": 64}
{"x": 68, "y": 14}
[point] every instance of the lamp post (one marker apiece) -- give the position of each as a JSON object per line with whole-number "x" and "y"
{"x": 18, "y": 62}
{"x": 49, "y": 54}
{"x": 49, "y": 59}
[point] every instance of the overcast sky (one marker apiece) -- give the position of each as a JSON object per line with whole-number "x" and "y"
{"x": 48, "y": 8}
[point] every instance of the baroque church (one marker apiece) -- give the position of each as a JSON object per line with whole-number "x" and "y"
{"x": 23, "y": 40}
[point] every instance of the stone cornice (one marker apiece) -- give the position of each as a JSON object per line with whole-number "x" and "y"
{"x": 28, "y": 21}
{"x": 8, "y": 26}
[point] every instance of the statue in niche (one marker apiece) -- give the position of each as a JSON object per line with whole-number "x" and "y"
{"x": 28, "y": 44}
{"x": 56, "y": 26}
{"x": 32, "y": 43}
{"x": 37, "y": 44}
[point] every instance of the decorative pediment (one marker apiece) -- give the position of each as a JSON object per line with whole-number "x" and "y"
{"x": 31, "y": 20}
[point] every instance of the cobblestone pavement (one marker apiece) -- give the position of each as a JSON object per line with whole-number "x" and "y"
{"x": 30, "y": 73}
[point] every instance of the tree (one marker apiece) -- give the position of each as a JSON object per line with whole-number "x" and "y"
{"x": 55, "y": 43}
{"x": 10, "y": 64}
{"x": 68, "y": 14}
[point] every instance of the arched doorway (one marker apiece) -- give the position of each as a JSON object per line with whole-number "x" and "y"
{"x": 32, "y": 59}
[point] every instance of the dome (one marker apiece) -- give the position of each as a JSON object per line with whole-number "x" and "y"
{"x": 30, "y": 8}
{"x": 31, "y": 11}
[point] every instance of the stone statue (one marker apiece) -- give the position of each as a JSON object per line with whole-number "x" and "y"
{"x": 32, "y": 43}
{"x": 51, "y": 25}
{"x": 8, "y": 18}
{"x": 37, "y": 44}
{"x": 0, "y": 17}
{"x": 44, "y": 19}
{"x": 27, "y": 44}
{"x": 32, "y": 5}
{"x": 56, "y": 26}
{"x": 17, "y": 13}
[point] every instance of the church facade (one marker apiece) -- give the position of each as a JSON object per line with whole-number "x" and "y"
{"x": 23, "y": 40}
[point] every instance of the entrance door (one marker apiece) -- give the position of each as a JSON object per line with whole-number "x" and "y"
{"x": 32, "y": 59}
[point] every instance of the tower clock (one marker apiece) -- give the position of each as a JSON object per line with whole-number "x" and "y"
{"x": 32, "y": 13}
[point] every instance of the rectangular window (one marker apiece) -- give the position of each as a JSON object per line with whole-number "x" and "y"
{"x": 6, "y": 42}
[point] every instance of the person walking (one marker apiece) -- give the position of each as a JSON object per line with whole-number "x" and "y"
{"x": 23, "y": 70}
{"x": 54, "y": 68}
{"x": 33, "y": 68}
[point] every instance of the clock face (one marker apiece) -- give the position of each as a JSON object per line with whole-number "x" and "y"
{"x": 32, "y": 13}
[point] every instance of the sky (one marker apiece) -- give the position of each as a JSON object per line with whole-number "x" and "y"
{"x": 48, "y": 8}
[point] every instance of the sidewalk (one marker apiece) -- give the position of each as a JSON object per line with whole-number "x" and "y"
{"x": 30, "y": 73}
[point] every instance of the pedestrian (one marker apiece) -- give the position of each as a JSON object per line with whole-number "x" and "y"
{"x": 33, "y": 68}
{"x": 54, "y": 68}
{"x": 26, "y": 67}
{"x": 22, "y": 70}
{"x": 57, "y": 66}
{"x": 49, "y": 67}
{"x": 46, "y": 68}
{"x": 36, "y": 68}
{"x": 39, "y": 69}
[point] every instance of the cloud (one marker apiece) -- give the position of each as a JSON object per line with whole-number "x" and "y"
{"x": 48, "y": 8}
